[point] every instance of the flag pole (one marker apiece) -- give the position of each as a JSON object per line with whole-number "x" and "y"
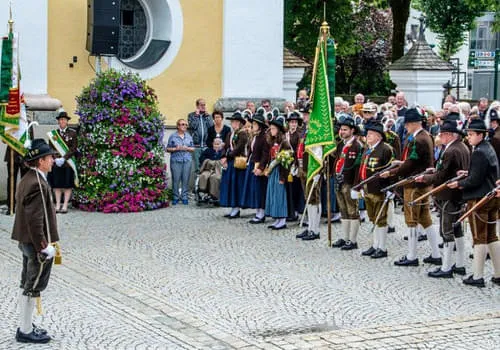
{"x": 11, "y": 165}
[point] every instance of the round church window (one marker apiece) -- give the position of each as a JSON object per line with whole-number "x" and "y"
{"x": 150, "y": 36}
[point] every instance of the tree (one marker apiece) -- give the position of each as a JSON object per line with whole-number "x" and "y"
{"x": 361, "y": 31}
{"x": 400, "y": 12}
{"x": 451, "y": 20}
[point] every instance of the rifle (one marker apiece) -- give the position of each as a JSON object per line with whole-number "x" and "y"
{"x": 374, "y": 176}
{"x": 436, "y": 189}
{"x": 490, "y": 195}
{"x": 406, "y": 181}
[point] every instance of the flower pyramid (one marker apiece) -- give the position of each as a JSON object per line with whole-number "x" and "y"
{"x": 121, "y": 162}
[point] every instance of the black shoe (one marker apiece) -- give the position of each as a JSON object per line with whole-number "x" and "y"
{"x": 369, "y": 251}
{"x": 295, "y": 218}
{"x": 256, "y": 220}
{"x": 379, "y": 253}
{"x": 282, "y": 227}
{"x": 235, "y": 216}
{"x": 305, "y": 224}
{"x": 470, "y": 281}
{"x": 495, "y": 280}
{"x": 422, "y": 238}
{"x": 338, "y": 243}
{"x": 438, "y": 273}
{"x": 39, "y": 330}
{"x": 458, "y": 270}
{"x": 311, "y": 236}
{"x": 33, "y": 337}
{"x": 303, "y": 234}
{"x": 404, "y": 261}
{"x": 391, "y": 229}
{"x": 433, "y": 261}
{"x": 270, "y": 226}
{"x": 349, "y": 246}
{"x": 405, "y": 238}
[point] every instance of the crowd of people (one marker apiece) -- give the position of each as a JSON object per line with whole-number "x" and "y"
{"x": 387, "y": 154}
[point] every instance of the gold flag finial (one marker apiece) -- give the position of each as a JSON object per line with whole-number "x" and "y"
{"x": 11, "y": 21}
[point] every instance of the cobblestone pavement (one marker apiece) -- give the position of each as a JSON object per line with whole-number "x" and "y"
{"x": 187, "y": 278}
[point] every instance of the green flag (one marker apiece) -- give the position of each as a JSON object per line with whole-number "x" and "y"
{"x": 6, "y": 68}
{"x": 320, "y": 141}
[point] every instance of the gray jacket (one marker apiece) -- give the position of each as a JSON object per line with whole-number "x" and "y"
{"x": 198, "y": 128}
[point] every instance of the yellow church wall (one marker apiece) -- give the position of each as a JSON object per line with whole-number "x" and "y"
{"x": 195, "y": 72}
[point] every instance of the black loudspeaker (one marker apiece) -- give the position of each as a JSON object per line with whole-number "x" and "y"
{"x": 103, "y": 26}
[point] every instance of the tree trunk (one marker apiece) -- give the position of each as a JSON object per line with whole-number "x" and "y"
{"x": 400, "y": 13}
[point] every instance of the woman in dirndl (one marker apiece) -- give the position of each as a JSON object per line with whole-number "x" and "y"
{"x": 62, "y": 176}
{"x": 276, "y": 201}
{"x": 233, "y": 176}
{"x": 294, "y": 191}
{"x": 254, "y": 188}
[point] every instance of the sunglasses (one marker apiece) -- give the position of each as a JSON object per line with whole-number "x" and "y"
{"x": 183, "y": 124}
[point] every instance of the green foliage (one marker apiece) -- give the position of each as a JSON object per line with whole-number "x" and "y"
{"x": 451, "y": 20}
{"x": 363, "y": 36}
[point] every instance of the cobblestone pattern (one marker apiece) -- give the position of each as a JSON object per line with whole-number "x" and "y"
{"x": 185, "y": 277}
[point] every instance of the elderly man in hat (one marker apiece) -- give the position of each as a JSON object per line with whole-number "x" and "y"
{"x": 35, "y": 228}
{"x": 62, "y": 177}
{"x": 346, "y": 163}
{"x": 454, "y": 158}
{"x": 416, "y": 158}
{"x": 378, "y": 156}
{"x": 495, "y": 132}
{"x": 481, "y": 177}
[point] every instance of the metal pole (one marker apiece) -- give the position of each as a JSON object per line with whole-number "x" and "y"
{"x": 328, "y": 202}
{"x": 12, "y": 182}
{"x": 458, "y": 79}
{"x": 495, "y": 77}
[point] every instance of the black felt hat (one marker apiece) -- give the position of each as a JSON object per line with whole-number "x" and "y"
{"x": 238, "y": 115}
{"x": 295, "y": 115}
{"x": 413, "y": 115}
{"x": 259, "y": 118}
{"x": 375, "y": 126}
{"x": 279, "y": 121}
{"x": 476, "y": 125}
{"x": 450, "y": 126}
{"x": 63, "y": 114}
{"x": 39, "y": 148}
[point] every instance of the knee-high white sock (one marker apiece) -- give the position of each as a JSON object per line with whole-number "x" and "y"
{"x": 480, "y": 251}
{"x": 353, "y": 230}
{"x": 281, "y": 222}
{"x": 27, "y": 306}
{"x": 346, "y": 224}
{"x": 314, "y": 215}
{"x": 382, "y": 237}
{"x": 432, "y": 237}
{"x": 412, "y": 244}
{"x": 375, "y": 238}
{"x": 494, "y": 249}
{"x": 234, "y": 211}
{"x": 390, "y": 213}
{"x": 260, "y": 213}
{"x": 460, "y": 254}
{"x": 447, "y": 256}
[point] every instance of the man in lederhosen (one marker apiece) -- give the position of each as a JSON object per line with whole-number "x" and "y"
{"x": 482, "y": 174}
{"x": 416, "y": 158}
{"x": 376, "y": 157}
{"x": 453, "y": 158}
{"x": 35, "y": 228}
{"x": 345, "y": 167}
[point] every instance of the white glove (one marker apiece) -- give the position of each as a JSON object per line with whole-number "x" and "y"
{"x": 316, "y": 178}
{"x": 355, "y": 194}
{"x": 49, "y": 252}
{"x": 390, "y": 195}
{"x": 60, "y": 161}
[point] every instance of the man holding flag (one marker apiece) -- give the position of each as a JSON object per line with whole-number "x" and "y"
{"x": 319, "y": 141}
{"x": 13, "y": 120}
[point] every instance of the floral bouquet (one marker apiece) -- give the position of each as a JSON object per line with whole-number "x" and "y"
{"x": 121, "y": 162}
{"x": 285, "y": 158}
